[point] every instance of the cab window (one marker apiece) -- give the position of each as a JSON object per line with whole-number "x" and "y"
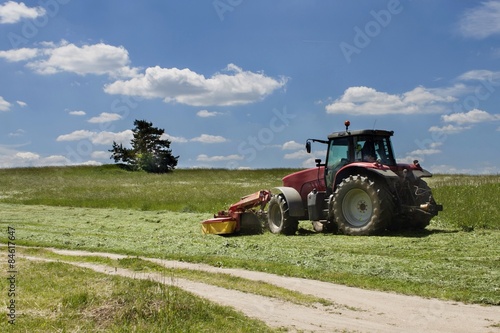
{"x": 338, "y": 156}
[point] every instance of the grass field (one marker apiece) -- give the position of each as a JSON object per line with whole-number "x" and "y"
{"x": 109, "y": 209}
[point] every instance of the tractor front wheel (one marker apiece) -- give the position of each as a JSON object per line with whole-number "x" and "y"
{"x": 278, "y": 217}
{"x": 362, "y": 207}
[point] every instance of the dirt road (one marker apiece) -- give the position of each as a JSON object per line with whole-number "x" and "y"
{"x": 355, "y": 310}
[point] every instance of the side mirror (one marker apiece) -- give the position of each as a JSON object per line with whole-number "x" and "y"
{"x": 308, "y": 147}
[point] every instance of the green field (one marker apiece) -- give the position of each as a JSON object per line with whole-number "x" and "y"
{"x": 111, "y": 210}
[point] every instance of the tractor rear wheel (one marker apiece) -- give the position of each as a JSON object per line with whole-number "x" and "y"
{"x": 362, "y": 207}
{"x": 278, "y": 217}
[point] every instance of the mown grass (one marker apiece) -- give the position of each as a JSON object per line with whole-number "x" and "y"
{"x": 442, "y": 263}
{"x": 57, "y": 297}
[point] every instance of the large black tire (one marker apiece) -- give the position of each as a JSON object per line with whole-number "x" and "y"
{"x": 278, "y": 217}
{"x": 362, "y": 207}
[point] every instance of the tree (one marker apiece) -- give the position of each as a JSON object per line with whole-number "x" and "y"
{"x": 149, "y": 152}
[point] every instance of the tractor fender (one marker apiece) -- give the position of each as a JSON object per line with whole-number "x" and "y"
{"x": 293, "y": 200}
{"x": 386, "y": 173}
{"x": 421, "y": 173}
{"x": 353, "y": 169}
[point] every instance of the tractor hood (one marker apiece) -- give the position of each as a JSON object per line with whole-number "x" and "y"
{"x": 305, "y": 181}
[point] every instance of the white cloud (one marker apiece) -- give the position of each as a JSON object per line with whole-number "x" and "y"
{"x": 188, "y": 87}
{"x": 368, "y": 101}
{"x": 206, "y": 158}
{"x": 449, "y": 129}
{"x": 98, "y": 138}
{"x": 4, "y": 105}
{"x": 420, "y": 152}
{"x": 471, "y": 117}
{"x": 98, "y": 59}
{"x": 105, "y": 117}
{"x": 77, "y": 113}
{"x": 479, "y": 75}
{"x": 28, "y": 156}
{"x": 172, "y": 138}
{"x": 17, "y": 133}
{"x": 19, "y": 54}
{"x": 10, "y": 158}
{"x": 206, "y": 113}
{"x": 482, "y": 21}
{"x": 206, "y": 138}
{"x": 13, "y": 12}
{"x": 76, "y": 135}
{"x": 21, "y": 104}
{"x": 292, "y": 145}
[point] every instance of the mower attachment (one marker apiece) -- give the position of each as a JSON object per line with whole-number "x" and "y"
{"x": 240, "y": 217}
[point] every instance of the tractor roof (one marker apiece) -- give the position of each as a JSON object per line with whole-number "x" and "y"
{"x": 360, "y": 132}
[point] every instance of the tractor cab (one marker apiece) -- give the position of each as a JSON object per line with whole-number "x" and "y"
{"x": 363, "y": 148}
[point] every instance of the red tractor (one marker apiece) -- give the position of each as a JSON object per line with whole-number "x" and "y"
{"x": 359, "y": 190}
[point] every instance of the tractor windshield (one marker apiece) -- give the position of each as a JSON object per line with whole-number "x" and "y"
{"x": 373, "y": 148}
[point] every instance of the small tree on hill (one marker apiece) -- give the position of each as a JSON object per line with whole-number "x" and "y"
{"x": 149, "y": 152}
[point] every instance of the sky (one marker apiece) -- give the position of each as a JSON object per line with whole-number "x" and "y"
{"x": 244, "y": 83}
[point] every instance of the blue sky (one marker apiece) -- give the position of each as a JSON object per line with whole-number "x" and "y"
{"x": 243, "y": 84}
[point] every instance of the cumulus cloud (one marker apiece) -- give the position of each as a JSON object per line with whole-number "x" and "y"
{"x": 472, "y": 117}
{"x": 368, "y": 101}
{"x": 98, "y": 138}
{"x": 17, "y": 133}
{"x": 105, "y": 117}
{"x": 4, "y": 105}
{"x": 77, "y": 113}
{"x": 206, "y": 158}
{"x": 479, "y": 75}
{"x": 13, "y": 12}
{"x": 481, "y": 21}
{"x": 206, "y": 113}
{"x": 235, "y": 87}
{"x": 449, "y": 129}
{"x": 172, "y": 138}
{"x": 19, "y": 54}
{"x": 292, "y": 145}
{"x": 97, "y": 59}
{"x": 206, "y": 138}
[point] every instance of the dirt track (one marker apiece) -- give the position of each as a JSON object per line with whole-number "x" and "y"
{"x": 356, "y": 310}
